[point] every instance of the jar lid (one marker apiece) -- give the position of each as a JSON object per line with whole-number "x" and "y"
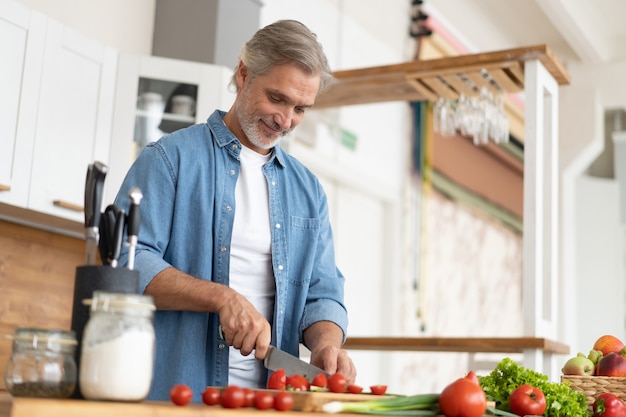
{"x": 103, "y": 300}
{"x": 46, "y": 337}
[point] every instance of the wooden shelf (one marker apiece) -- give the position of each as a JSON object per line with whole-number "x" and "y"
{"x": 443, "y": 77}
{"x": 457, "y": 344}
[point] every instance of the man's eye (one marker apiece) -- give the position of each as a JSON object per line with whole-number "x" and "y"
{"x": 274, "y": 99}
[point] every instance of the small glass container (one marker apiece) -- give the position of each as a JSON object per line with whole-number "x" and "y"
{"x": 117, "y": 351}
{"x": 42, "y": 363}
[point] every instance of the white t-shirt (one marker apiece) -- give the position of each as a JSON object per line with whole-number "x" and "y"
{"x": 251, "y": 272}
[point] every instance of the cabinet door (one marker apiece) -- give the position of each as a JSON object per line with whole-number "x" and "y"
{"x": 73, "y": 124}
{"x": 156, "y": 96}
{"x": 22, "y": 37}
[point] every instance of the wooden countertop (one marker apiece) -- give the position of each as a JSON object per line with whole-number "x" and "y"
{"x": 40, "y": 407}
{"x": 457, "y": 344}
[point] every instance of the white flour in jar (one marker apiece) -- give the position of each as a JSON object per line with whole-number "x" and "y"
{"x": 118, "y": 369}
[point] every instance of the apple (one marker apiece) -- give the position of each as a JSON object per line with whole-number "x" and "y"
{"x": 612, "y": 364}
{"x": 578, "y": 365}
{"x": 607, "y": 344}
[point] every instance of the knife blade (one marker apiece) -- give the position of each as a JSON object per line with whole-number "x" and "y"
{"x": 94, "y": 183}
{"x": 277, "y": 359}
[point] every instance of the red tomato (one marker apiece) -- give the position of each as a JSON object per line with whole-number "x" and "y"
{"x": 283, "y": 401}
{"x": 337, "y": 383}
{"x": 263, "y": 400}
{"x": 527, "y": 400}
{"x": 232, "y": 397}
{"x": 463, "y": 398}
{"x": 298, "y": 383}
{"x": 378, "y": 389}
{"x": 181, "y": 394}
{"x": 471, "y": 375}
{"x": 320, "y": 380}
{"x": 609, "y": 405}
{"x": 211, "y": 396}
{"x": 248, "y": 397}
{"x": 354, "y": 389}
{"x": 277, "y": 380}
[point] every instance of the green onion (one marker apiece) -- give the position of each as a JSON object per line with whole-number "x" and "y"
{"x": 414, "y": 405}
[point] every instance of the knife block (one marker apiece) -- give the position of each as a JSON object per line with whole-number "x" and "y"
{"x": 90, "y": 278}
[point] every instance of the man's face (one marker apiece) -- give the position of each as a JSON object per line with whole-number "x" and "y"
{"x": 270, "y": 106}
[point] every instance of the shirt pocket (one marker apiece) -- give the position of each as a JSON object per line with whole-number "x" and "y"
{"x": 306, "y": 223}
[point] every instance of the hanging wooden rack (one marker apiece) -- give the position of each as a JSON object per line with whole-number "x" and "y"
{"x": 442, "y": 77}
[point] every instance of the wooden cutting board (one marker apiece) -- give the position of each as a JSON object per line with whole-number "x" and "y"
{"x": 315, "y": 400}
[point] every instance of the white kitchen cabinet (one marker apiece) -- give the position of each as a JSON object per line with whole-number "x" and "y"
{"x": 73, "y": 119}
{"x": 22, "y": 40}
{"x": 146, "y": 106}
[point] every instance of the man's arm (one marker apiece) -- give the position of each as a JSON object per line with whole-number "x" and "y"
{"x": 324, "y": 339}
{"x": 243, "y": 326}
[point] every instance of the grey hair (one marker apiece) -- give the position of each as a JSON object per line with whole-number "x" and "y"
{"x": 285, "y": 42}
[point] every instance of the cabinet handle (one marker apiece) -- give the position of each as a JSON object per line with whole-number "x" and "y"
{"x": 5, "y": 187}
{"x": 69, "y": 206}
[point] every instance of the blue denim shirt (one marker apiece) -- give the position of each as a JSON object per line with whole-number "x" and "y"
{"x": 188, "y": 183}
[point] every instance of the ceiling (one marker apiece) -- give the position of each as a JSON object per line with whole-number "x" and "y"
{"x": 578, "y": 31}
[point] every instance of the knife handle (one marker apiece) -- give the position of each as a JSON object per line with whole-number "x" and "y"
{"x": 94, "y": 184}
{"x": 116, "y": 246}
{"x": 134, "y": 214}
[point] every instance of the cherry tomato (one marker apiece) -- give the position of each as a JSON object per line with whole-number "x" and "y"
{"x": 283, "y": 401}
{"x": 354, "y": 389}
{"x": 378, "y": 389}
{"x": 298, "y": 383}
{"x": 609, "y": 405}
{"x": 337, "y": 383}
{"x": 232, "y": 397}
{"x": 463, "y": 398}
{"x": 263, "y": 400}
{"x": 248, "y": 397}
{"x": 277, "y": 380}
{"x": 320, "y": 380}
{"x": 527, "y": 400}
{"x": 181, "y": 394}
{"x": 211, "y": 396}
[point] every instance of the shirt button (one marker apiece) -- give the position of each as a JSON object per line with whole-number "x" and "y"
{"x": 228, "y": 208}
{"x": 231, "y": 172}
{"x": 221, "y": 346}
{"x": 235, "y": 146}
{"x": 278, "y": 225}
{"x": 280, "y": 267}
{"x": 223, "y": 249}
{"x": 273, "y": 182}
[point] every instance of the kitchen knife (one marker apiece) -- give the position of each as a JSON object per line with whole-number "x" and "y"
{"x": 94, "y": 185}
{"x": 118, "y": 237}
{"x": 277, "y": 359}
{"x": 134, "y": 220}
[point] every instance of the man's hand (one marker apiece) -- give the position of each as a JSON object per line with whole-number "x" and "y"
{"x": 324, "y": 340}
{"x": 244, "y": 327}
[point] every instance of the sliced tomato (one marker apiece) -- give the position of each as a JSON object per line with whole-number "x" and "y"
{"x": 297, "y": 382}
{"x": 378, "y": 389}
{"x": 355, "y": 389}
{"x": 320, "y": 380}
{"x": 277, "y": 380}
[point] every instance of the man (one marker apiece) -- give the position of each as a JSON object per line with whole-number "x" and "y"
{"x": 235, "y": 243}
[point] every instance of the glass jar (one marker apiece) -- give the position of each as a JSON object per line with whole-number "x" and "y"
{"x": 117, "y": 351}
{"x": 42, "y": 363}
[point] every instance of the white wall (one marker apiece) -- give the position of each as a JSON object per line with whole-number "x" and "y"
{"x": 122, "y": 24}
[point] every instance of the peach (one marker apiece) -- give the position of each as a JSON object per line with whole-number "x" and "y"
{"x": 608, "y": 344}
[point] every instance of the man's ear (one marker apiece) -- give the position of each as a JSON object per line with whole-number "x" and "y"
{"x": 242, "y": 74}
